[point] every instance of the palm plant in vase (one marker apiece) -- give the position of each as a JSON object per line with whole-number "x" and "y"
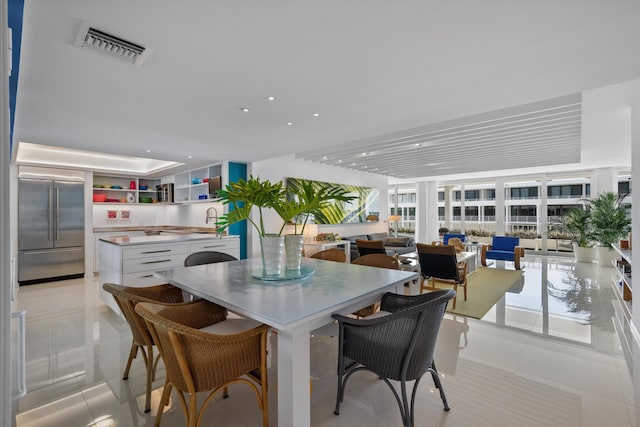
{"x": 610, "y": 223}
{"x": 303, "y": 201}
{"x": 242, "y": 197}
{"x": 577, "y": 222}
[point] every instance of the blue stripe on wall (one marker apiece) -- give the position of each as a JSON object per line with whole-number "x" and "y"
{"x": 15, "y": 10}
{"x": 237, "y": 171}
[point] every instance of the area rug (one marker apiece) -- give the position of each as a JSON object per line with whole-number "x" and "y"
{"x": 486, "y": 287}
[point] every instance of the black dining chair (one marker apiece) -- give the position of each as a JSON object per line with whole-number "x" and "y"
{"x": 207, "y": 257}
{"x": 439, "y": 264}
{"x": 396, "y": 343}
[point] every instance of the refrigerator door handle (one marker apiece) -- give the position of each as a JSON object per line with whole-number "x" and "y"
{"x": 50, "y": 213}
{"x": 22, "y": 383}
{"x": 57, "y": 222}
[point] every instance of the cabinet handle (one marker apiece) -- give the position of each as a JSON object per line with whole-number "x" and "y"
{"x": 156, "y": 262}
{"x": 146, "y": 276}
{"x": 214, "y": 246}
{"x": 156, "y": 252}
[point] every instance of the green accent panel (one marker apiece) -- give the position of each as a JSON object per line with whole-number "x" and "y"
{"x": 237, "y": 171}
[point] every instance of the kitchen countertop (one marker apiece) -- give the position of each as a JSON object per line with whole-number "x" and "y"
{"x": 156, "y": 229}
{"x": 165, "y": 238}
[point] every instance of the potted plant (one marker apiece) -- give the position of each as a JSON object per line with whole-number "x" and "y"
{"x": 610, "y": 223}
{"x": 578, "y": 223}
{"x": 242, "y": 197}
{"x": 303, "y": 201}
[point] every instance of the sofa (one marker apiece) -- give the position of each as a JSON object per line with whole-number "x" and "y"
{"x": 393, "y": 245}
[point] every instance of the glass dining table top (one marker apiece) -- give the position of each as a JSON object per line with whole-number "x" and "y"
{"x": 282, "y": 304}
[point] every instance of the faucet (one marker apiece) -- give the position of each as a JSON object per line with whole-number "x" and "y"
{"x": 212, "y": 213}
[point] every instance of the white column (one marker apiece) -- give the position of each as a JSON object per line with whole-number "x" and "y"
{"x": 635, "y": 207}
{"x": 462, "y": 207}
{"x": 426, "y": 220}
{"x": 500, "y": 214}
{"x": 448, "y": 208}
{"x": 604, "y": 179}
{"x": 543, "y": 213}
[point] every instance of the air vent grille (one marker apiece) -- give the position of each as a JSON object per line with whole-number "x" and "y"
{"x": 111, "y": 45}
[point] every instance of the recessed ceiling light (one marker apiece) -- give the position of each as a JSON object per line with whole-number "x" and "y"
{"x": 188, "y": 157}
{"x": 290, "y": 124}
{"x": 148, "y": 151}
{"x": 339, "y": 161}
{"x": 353, "y": 164}
{"x": 432, "y": 164}
{"x": 244, "y": 110}
{"x": 418, "y": 145}
{"x": 271, "y": 98}
{"x": 364, "y": 154}
{"x": 316, "y": 114}
{"x": 325, "y": 158}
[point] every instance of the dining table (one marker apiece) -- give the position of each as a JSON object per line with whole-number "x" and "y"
{"x": 295, "y": 304}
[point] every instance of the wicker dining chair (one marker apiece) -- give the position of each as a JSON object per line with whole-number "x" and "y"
{"x": 332, "y": 254}
{"x": 199, "y": 357}
{"x": 439, "y": 264}
{"x": 366, "y": 247}
{"x": 398, "y": 344}
{"x": 127, "y": 297}
{"x": 374, "y": 260}
{"x": 207, "y": 257}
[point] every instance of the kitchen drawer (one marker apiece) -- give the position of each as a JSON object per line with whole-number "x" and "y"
{"x": 230, "y": 246}
{"x": 140, "y": 279}
{"x": 160, "y": 261}
{"x": 151, "y": 251}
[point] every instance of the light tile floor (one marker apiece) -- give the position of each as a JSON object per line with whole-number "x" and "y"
{"x": 549, "y": 355}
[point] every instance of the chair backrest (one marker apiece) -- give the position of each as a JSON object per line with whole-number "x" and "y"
{"x": 332, "y": 254}
{"x": 504, "y": 243}
{"x": 377, "y": 260}
{"x": 127, "y": 297}
{"x": 207, "y": 257}
{"x": 438, "y": 261}
{"x": 447, "y": 236}
{"x": 197, "y": 360}
{"x": 366, "y": 247}
{"x": 399, "y": 345}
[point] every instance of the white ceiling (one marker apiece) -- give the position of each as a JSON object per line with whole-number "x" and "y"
{"x": 370, "y": 69}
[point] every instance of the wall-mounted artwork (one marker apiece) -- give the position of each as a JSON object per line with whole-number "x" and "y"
{"x": 366, "y": 203}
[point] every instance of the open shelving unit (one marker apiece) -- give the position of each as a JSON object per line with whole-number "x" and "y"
{"x": 118, "y": 189}
{"x": 622, "y": 279}
{"x": 193, "y": 186}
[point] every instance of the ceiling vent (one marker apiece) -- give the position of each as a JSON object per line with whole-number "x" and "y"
{"x": 111, "y": 45}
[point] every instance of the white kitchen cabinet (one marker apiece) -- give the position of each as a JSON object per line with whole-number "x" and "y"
{"x": 228, "y": 246}
{"x": 96, "y": 247}
{"x": 117, "y": 189}
{"x": 131, "y": 261}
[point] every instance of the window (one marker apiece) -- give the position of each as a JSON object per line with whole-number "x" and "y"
{"x": 490, "y": 194}
{"x": 471, "y": 211}
{"x": 523, "y": 211}
{"x": 624, "y": 187}
{"x": 524, "y": 192}
{"x": 574, "y": 190}
{"x": 441, "y": 211}
{"x": 441, "y": 196}
{"x": 456, "y": 211}
{"x": 412, "y": 213}
{"x": 457, "y": 195}
{"x": 489, "y": 211}
{"x": 472, "y": 194}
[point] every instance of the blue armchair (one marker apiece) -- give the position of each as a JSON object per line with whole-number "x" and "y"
{"x": 503, "y": 248}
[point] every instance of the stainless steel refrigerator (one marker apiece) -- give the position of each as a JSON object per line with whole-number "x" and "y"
{"x": 50, "y": 230}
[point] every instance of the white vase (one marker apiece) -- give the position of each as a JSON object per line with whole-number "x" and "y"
{"x": 605, "y": 256}
{"x": 271, "y": 248}
{"x": 583, "y": 254}
{"x": 293, "y": 245}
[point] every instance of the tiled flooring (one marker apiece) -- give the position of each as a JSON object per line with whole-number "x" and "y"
{"x": 549, "y": 355}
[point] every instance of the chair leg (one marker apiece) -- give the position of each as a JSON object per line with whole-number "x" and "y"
{"x": 455, "y": 288}
{"x": 164, "y": 401}
{"x": 438, "y": 384}
{"x": 339, "y": 395}
{"x": 150, "y": 374}
{"x": 132, "y": 355}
